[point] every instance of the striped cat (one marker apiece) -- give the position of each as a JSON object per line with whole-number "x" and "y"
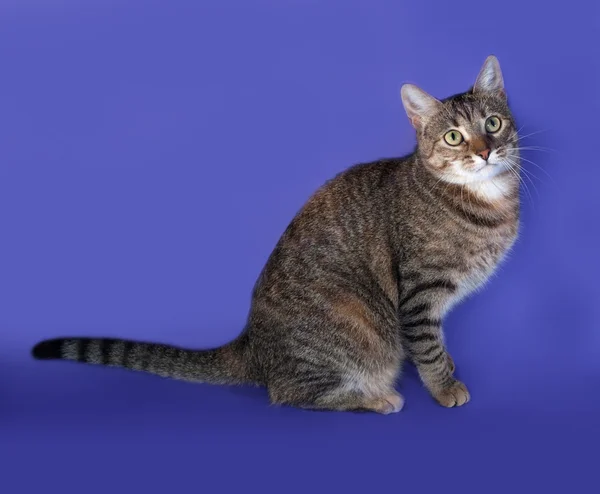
{"x": 364, "y": 274}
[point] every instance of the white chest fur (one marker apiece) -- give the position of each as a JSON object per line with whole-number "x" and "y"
{"x": 482, "y": 266}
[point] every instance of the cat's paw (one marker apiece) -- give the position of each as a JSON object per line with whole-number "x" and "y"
{"x": 391, "y": 403}
{"x": 454, "y": 395}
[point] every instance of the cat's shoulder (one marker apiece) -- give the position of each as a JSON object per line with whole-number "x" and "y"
{"x": 373, "y": 171}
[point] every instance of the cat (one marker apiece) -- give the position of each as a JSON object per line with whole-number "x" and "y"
{"x": 362, "y": 277}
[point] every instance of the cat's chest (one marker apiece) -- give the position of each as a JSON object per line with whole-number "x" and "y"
{"x": 477, "y": 259}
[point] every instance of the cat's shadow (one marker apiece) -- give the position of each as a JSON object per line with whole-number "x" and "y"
{"x": 253, "y": 393}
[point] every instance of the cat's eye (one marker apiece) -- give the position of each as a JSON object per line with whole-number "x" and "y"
{"x": 453, "y": 137}
{"x": 493, "y": 124}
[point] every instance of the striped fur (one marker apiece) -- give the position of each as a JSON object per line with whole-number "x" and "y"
{"x": 219, "y": 366}
{"x": 364, "y": 274}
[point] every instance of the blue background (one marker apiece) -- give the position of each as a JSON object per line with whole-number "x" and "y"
{"x": 151, "y": 153}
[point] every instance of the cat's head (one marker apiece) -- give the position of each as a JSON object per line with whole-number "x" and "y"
{"x": 470, "y": 137}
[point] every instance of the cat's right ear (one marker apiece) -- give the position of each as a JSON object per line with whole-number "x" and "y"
{"x": 418, "y": 104}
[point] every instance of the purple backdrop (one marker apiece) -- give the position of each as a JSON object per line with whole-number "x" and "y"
{"x": 151, "y": 153}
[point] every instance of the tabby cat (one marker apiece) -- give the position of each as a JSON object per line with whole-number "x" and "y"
{"x": 364, "y": 274}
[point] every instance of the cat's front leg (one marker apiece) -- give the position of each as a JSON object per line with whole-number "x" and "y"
{"x": 422, "y": 334}
{"x": 451, "y": 362}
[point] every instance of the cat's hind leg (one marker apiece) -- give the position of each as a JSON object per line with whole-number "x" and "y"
{"x": 348, "y": 358}
{"x": 353, "y": 401}
{"x": 353, "y": 388}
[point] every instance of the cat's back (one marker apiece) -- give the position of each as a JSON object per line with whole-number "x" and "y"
{"x": 342, "y": 228}
{"x": 353, "y": 198}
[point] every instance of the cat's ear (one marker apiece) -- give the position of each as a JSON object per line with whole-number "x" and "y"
{"x": 418, "y": 104}
{"x": 490, "y": 78}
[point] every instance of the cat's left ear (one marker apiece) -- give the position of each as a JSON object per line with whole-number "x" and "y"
{"x": 490, "y": 78}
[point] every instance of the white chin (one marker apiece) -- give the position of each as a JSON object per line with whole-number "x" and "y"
{"x": 485, "y": 172}
{"x": 489, "y": 171}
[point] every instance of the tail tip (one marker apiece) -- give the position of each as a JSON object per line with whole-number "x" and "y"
{"x": 46, "y": 350}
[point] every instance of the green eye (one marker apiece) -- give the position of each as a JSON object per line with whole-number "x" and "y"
{"x": 493, "y": 124}
{"x": 453, "y": 137}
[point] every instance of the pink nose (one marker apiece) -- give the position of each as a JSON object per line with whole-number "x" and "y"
{"x": 485, "y": 154}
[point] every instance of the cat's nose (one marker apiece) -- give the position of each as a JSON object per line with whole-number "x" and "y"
{"x": 485, "y": 153}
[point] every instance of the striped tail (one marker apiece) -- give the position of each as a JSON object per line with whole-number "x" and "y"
{"x": 224, "y": 365}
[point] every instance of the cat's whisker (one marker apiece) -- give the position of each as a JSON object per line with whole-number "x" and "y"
{"x": 532, "y": 134}
{"x": 446, "y": 188}
{"x": 495, "y": 185}
{"x": 530, "y": 148}
{"x": 435, "y": 184}
{"x": 514, "y": 135}
{"x": 514, "y": 161}
{"x": 527, "y": 189}
{"x": 527, "y": 177}
{"x": 512, "y": 167}
{"x": 536, "y": 148}
{"x": 529, "y": 174}
{"x": 539, "y": 167}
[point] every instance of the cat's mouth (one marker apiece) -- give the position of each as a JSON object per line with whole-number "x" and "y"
{"x": 480, "y": 171}
{"x": 489, "y": 169}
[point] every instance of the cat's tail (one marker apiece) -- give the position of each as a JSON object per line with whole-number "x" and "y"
{"x": 224, "y": 365}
